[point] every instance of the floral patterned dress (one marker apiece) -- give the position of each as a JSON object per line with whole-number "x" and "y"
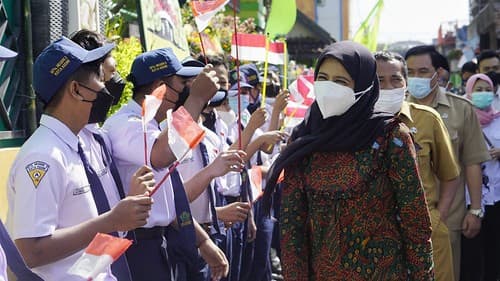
{"x": 357, "y": 216}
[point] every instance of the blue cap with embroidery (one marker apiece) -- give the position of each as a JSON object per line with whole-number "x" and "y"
{"x": 58, "y": 61}
{"x": 155, "y": 64}
{"x": 251, "y": 73}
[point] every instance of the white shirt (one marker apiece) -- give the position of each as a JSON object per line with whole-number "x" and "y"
{"x": 125, "y": 133}
{"x": 492, "y": 167}
{"x": 97, "y": 158}
{"x": 3, "y": 265}
{"x": 48, "y": 190}
{"x": 200, "y": 207}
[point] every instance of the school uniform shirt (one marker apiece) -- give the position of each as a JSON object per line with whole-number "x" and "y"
{"x": 3, "y": 265}
{"x": 97, "y": 158}
{"x": 48, "y": 190}
{"x": 200, "y": 207}
{"x": 468, "y": 145}
{"x": 491, "y": 168}
{"x": 125, "y": 133}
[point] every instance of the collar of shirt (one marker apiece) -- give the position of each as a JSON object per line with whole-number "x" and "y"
{"x": 439, "y": 99}
{"x": 60, "y": 130}
{"x": 405, "y": 111}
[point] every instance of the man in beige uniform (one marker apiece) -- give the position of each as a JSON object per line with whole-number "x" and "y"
{"x": 438, "y": 169}
{"x": 466, "y": 137}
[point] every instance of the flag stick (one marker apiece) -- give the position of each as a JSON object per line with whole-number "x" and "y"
{"x": 170, "y": 170}
{"x": 263, "y": 103}
{"x": 203, "y": 48}
{"x": 144, "y": 132}
{"x": 285, "y": 66}
{"x": 237, "y": 72}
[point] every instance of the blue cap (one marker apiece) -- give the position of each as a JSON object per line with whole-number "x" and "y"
{"x": 243, "y": 83}
{"x": 190, "y": 67}
{"x": 58, "y": 61}
{"x": 218, "y": 98}
{"x": 6, "y": 53}
{"x": 150, "y": 66}
{"x": 251, "y": 73}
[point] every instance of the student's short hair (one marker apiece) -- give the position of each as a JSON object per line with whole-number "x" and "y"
{"x": 469, "y": 66}
{"x": 437, "y": 59}
{"x": 390, "y": 56}
{"x": 486, "y": 54}
{"x": 214, "y": 60}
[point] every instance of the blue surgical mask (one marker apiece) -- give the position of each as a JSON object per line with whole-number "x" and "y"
{"x": 420, "y": 88}
{"x": 233, "y": 102}
{"x": 482, "y": 100}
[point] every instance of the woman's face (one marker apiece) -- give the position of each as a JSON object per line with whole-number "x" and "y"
{"x": 332, "y": 70}
{"x": 482, "y": 86}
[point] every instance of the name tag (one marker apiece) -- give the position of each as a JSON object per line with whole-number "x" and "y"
{"x": 81, "y": 190}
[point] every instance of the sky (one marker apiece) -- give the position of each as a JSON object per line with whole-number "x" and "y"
{"x": 403, "y": 20}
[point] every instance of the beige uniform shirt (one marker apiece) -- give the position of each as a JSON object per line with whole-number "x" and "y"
{"x": 467, "y": 140}
{"x": 436, "y": 159}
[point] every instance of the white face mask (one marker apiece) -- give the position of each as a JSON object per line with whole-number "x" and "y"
{"x": 229, "y": 117}
{"x": 334, "y": 99}
{"x": 390, "y": 100}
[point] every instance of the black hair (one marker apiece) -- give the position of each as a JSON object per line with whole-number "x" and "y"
{"x": 390, "y": 56}
{"x": 214, "y": 60}
{"x": 88, "y": 39}
{"x": 437, "y": 59}
{"x": 486, "y": 54}
{"x": 469, "y": 66}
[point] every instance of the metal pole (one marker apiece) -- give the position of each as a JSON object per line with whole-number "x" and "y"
{"x": 32, "y": 122}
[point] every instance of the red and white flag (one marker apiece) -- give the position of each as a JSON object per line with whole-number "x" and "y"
{"x": 301, "y": 98}
{"x": 204, "y": 10}
{"x": 102, "y": 251}
{"x": 256, "y": 182}
{"x": 183, "y": 133}
{"x": 150, "y": 106}
{"x": 152, "y": 102}
{"x": 252, "y": 47}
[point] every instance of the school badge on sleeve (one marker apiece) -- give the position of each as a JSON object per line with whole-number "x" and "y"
{"x": 37, "y": 171}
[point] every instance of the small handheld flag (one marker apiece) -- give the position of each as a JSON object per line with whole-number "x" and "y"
{"x": 102, "y": 251}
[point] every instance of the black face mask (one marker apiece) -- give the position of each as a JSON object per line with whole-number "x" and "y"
{"x": 183, "y": 95}
{"x": 115, "y": 87}
{"x": 100, "y": 106}
{"x": 209, "y": 121}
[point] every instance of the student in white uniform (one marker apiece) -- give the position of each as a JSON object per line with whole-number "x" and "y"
{"x": 149, "y": 71}
{"x": 52, "y": 195}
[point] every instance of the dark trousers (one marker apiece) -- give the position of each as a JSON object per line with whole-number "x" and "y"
{"x": 480, "y": 258}
{"x": 147, "y": 256}
{"x": 261, "y": 266}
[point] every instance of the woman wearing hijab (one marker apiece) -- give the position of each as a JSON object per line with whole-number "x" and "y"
{"x": 353, "y": 207}
{"x": 479, "y": 90}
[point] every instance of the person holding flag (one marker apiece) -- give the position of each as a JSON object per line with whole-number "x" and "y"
{"x": 57, "y": 202}
{"x": 149, "y": 255}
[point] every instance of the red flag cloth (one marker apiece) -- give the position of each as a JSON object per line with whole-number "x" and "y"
{"x": 183, "y": 133}
{"x": 102, "y": 251}
{"x": 204, "y": 10}
{"x": 252, "y": 47}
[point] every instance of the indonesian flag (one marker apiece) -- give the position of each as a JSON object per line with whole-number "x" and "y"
{"x": 252, "y": 47}
{"x": 150, "y": 106}
{"x": 301, "y": 98}
{"x": 102, "y": 251}
{"x": 204, "y": 10}
{"x": 183, "y": 133}
{"x": 256, "y": 182}
{"x": 152, "y": 102}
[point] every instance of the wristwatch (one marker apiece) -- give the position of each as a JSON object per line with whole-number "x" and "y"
{"x": 477, "y": 212}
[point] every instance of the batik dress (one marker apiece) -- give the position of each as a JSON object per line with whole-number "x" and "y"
{"x": 357, "y": 216}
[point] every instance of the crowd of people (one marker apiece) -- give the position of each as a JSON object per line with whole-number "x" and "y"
{"x": 389, "y": 176}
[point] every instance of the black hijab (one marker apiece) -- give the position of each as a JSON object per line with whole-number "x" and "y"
{"x": 354, "y": 130}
